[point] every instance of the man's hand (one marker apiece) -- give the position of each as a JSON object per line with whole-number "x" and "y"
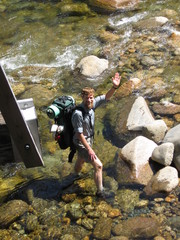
{"x": 92, "y": 154}
{"x": 116, "y": 80}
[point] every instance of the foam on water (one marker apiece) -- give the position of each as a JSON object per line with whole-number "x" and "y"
{"x": 13, "y": 62}
{"x": 116, "y": 22}
{"x": 68, "y": 57}
{"x": 62, "y": 57}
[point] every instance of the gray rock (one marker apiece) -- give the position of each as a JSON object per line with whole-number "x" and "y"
{"x": 136, "y": 154}
{"x": 163, "y": 154}
{"x": 155, "y": 130}
{"x": 124, "y": 173}
{"x": 139, "y": 115}
{"x": 173, "y": 136}
{"x": 164, "y": 180}
{"x": 138, "y": 151}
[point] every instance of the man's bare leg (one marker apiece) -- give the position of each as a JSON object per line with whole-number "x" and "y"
{"x": 98, "y": 173}
{"x": 78, "y": 165}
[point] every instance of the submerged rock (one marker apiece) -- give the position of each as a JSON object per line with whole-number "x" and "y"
{"x": 102, "y": 229}
{"x": 79, "y": 9}
{"x": 107, "y": 36}
{"x": 166, "y": 108}
{"x": 128, "y": 199}
{"x": 137, "y": 227}
{"x": 11, "y": 211}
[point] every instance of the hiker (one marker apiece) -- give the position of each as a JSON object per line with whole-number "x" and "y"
{"x": 84, "y": 131}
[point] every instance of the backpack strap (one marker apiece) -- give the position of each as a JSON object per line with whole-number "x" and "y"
{"x": 83, "y": 114}
{"x": 81, "y": 109}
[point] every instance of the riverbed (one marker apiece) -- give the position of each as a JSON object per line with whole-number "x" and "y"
{"x": 41, "y": 44}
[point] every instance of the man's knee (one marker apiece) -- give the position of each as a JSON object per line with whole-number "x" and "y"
{"x": 98, "y": 164}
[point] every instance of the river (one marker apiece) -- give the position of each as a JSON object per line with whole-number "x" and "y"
{"x": 41, "y": 44}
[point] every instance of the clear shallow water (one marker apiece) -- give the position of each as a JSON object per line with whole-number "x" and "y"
{"x": 37, "y": 34}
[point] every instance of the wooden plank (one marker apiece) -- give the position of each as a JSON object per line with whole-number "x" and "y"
{"x": 17, "y": 126}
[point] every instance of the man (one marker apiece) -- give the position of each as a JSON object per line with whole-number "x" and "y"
{"x": 83, "y": 123}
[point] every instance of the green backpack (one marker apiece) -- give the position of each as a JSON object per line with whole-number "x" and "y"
{"x": 61, "y": 111}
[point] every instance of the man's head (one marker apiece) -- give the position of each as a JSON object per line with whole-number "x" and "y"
{"x": 87, "y": 95}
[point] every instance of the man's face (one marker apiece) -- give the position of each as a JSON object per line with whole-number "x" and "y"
{"x": 88, "y": 100}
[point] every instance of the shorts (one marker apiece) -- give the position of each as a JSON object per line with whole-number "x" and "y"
{"x": 82, "y": 151}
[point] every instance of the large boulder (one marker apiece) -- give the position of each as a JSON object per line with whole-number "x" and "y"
{"x": 92, "y": 66}
{"x": 139, "y": 115}
{"x": 137, "y": 154}
{"x": 124, "y": 173}
{"x": 138, "y": 151}
{"x": 113, "y": 5}
{"x": 165, "y": 180}
{"x": 173, "y": 136}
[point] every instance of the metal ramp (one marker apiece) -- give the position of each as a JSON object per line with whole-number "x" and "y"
{"x": 21, "y": 121}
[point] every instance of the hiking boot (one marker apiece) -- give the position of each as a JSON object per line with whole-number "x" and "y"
{"x": 104, "y": 194}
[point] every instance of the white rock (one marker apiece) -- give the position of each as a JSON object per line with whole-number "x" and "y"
{"x": 173, "y": 136}
{"x": 163, "y": 154}
{"x": 136, "y": 82}
{"x": 92, "y": 66}
{"x": 155, "y": 130}
{"x": 164, "y": 180}
{"x": 139, "y": 115}
{"x": 161, "y": 20}
{"x": 177, "y": 162}
{"x": 137, "y": 152}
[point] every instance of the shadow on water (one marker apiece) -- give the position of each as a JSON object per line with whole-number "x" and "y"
{"x": 46, "y": 189}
